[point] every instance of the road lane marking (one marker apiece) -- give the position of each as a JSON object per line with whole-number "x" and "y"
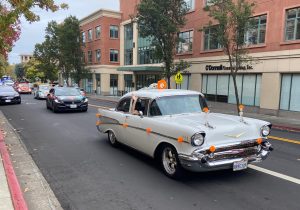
{"x": 273, "y": 173}
{"x": 284, "y": 139}
{"x": 102, "y": 107}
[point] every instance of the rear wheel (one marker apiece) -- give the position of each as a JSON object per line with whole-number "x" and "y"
{"x": 170, "y": 162}
{"x": 112, "y": 139}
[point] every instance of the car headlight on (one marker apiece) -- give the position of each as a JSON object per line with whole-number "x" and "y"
{"x": 17, "y": 94}
{"x": 197, "y": 139}
{"x": 57, "y": 101}
{"x": 265, "y": 130}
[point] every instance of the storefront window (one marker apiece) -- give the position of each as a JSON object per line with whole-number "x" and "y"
{"x": 185, "y": 82}
{"x": 144, "y": 80}
{"x": 114, "y": 84}
{"x": 220, "y": 88}
{"x": 128, "y": 83}
{"x": 290, "y": 92}
{"x": 98, "y": 84}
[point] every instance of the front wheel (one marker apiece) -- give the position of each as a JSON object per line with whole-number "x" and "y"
{"x": 170, "y": 162}
{"x": 112, "y": 139}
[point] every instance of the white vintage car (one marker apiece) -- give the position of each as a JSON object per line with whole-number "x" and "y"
{"x": 175, "y": 127}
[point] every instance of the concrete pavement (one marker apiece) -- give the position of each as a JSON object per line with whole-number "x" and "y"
{"x": 22, "y": 185}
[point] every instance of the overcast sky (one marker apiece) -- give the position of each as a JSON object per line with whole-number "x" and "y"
{"x": 35, "y": 32}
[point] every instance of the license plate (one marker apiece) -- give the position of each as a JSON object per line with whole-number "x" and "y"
{"x": 73, "y": 106}
{"x": 7, "y": 101}
{"x": 240, "y": 165}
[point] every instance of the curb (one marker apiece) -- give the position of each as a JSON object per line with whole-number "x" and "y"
{"x": 13, "y": 183}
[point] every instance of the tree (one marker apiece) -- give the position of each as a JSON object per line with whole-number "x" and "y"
{"x": 47, "y": 53}
{"x": 232, "y": 18}
{"x": 33, "y": 71}
{"x": 11, "y": 11}
{"x": 161, "y": 20}
{"x": 19, "y": 71}
{"x": 70, "y": 53}
{"x": 61, "y": 50}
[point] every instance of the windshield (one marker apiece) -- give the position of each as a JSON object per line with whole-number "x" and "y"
{"x": 6, "y": 89}
{"x": 8, "y": 81}
{"x": 179, "y": 104}
{"x": 44, "y": 87}
{"x": 24, "y": 85}
{"x": 67, "y": 92}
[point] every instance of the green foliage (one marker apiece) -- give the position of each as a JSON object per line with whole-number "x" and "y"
{"x": 161, "y": 20}
{"x": 33, "y": 71}
{"x": 19, "y": 71}
{"x": 61, "y": 51}
{"x": 232, "y": 19}
{"x": 12, "y": 10}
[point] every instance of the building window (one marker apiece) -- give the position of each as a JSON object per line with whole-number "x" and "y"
{"x": 114, "y": 32}
{"x": 83, "y": 37}
{"x": 98, "y": 55}
{"x": 146, "y": 52}
{"x": 220, "y": 88}
{"x": 114, "y": 84}
{"x": 90, "y": 56}
{"x": 210, "y": 39}
{"x": 98, "y": 32}
{"x": 128, "y": 45}
{"x": 114, "y": 55}
{"x": 257, "y": 34}
{"x": 144, "y": 80}
{"x": 292, "y": 25}
{"x": 90, "y": 35}
{"x": 208, "y": 3}
{"x": 190, "y": 4}
{"x": 185, "y": 42}
{"x": 290, "y": 92}
{"x": 128, "y": 83}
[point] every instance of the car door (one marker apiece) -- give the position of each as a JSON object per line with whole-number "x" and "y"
{"x": 120, "y": 114}
{"x": 136, "y": 133}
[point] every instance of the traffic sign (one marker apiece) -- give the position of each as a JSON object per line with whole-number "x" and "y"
{"x": 178, "y": 78}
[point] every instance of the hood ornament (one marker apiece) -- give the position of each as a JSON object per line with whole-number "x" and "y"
{"x": 206, "y": 111}
{"x": 235, "y": 136}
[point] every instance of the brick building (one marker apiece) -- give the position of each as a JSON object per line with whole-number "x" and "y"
{"x": 271, "y": 83}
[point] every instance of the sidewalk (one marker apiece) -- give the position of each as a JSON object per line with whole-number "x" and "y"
{"x": 22, "y": 185}
{"x": 284, "y": 120}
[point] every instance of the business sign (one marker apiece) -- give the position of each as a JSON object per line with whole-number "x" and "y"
{"x": 226, "y": 68}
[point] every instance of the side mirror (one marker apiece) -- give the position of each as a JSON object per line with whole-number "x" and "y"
{"x": 141, "y": 114}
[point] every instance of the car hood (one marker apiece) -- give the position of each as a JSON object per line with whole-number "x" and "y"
{"x": 221, "y": 128}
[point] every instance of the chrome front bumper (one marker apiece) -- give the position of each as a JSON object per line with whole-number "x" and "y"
{"x": 224, "y": 157}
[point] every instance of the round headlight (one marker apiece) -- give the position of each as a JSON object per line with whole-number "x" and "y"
{"x": 197, "y": 139}
{"x": 265, "y": 130}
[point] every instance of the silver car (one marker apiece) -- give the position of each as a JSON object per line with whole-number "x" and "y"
{"x": 41, "y": 92}
{"x": 176, "y": 128}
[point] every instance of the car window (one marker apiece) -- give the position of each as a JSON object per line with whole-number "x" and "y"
{"x": 142, "y": 105}
{"x": 180, "y": 104}
{"x": 154, "y": 109}
{"x": 124, "y": 105}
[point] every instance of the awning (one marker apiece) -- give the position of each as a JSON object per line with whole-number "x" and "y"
{"x": 140, "y": 68}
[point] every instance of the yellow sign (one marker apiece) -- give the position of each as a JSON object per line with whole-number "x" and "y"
{"x": 178, "y": 78}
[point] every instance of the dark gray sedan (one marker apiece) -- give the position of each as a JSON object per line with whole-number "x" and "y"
{"x": 8, "y": 95}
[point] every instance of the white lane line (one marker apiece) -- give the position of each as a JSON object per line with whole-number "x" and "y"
{"x": 273, "y": 173}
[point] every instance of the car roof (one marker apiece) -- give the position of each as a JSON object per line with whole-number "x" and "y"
{"x": 156, "y": 93}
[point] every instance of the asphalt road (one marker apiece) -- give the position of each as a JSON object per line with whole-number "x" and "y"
{"x": 86, "y": 173}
